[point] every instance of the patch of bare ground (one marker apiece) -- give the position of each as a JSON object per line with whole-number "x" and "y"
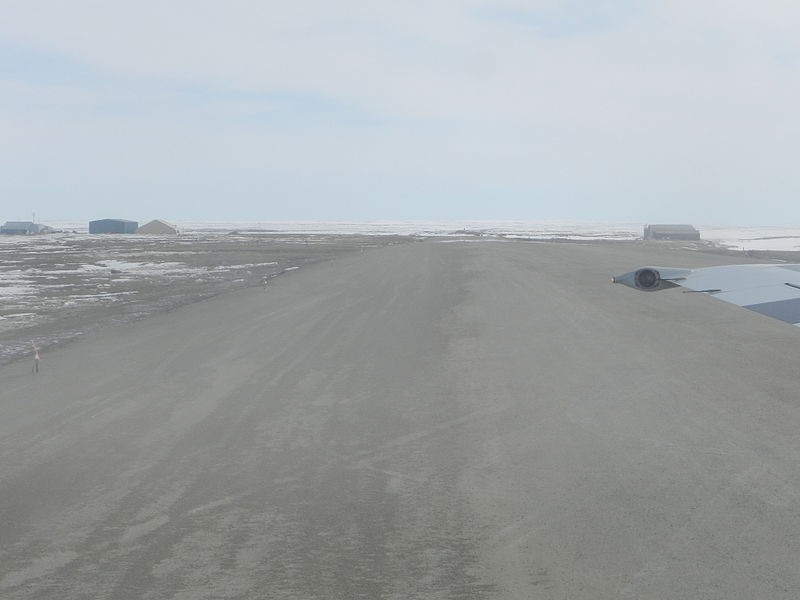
{"x": 55, "y": 288}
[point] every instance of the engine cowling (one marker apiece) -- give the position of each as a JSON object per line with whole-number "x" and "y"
{"x": 651, "y": 279}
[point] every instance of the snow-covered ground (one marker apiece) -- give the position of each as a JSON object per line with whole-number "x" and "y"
{"x": 754, "y": 238}
{"x": 543, "y": 229}
{"x": 775, "y": 238}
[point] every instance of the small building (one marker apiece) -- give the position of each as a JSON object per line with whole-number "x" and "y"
{"x": 113, "y": 226}
{"x": 19, "y": 228}
{"x": 158, "y": 227}
{"x": 671, "y": 232}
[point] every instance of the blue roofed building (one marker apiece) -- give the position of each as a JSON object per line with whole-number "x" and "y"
{"x": 113, "y": 226}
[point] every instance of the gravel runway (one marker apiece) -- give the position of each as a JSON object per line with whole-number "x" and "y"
{"x": 491, "y": 419}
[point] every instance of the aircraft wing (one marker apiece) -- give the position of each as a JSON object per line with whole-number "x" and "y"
{"x": 771, "y": 289}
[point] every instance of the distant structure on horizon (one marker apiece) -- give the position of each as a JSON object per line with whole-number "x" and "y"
{"x": 671, "y": 232}
{"x": 158, "y": 227}
{"x": 20, "y": 228}
{"x": 113, "y": 226}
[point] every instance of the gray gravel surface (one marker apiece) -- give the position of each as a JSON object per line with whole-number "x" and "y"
{"x": 427, "y": 420}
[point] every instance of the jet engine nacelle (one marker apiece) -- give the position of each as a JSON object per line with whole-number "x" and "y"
{"x": 651, "y": 279}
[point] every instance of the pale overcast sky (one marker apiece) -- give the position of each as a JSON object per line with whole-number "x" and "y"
{"x": 649, "y": 111}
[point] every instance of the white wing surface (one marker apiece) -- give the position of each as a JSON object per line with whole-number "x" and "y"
{"x": 771, "y": 290}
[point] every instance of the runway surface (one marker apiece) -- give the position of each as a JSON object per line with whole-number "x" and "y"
{"x": 426, "y": 420}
